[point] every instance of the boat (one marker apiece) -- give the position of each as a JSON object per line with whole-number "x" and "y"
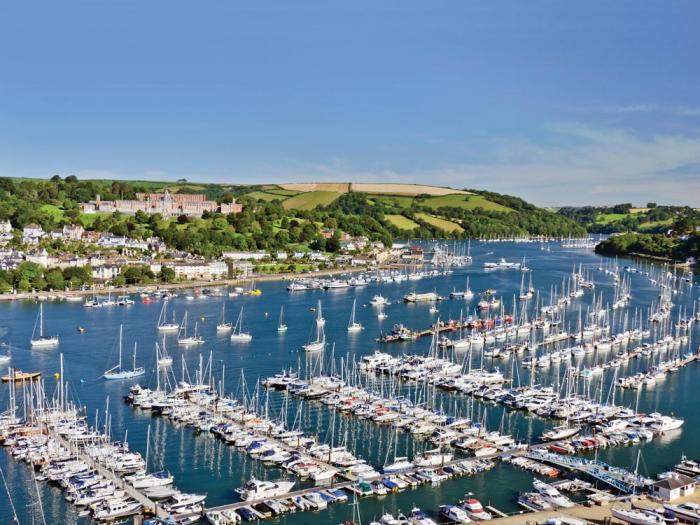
{"x": 533, "y": 501}
{"x": 162, "y": 357}
{"x": 223, "y": 326}
{"x": 42, "y": 340}
{"x": 454, "y": 514}
{"x": 502, "y": 264}
{"x": 560, "y": 433}
{"x": 281, "y": 327}
{"x": 297, "y": 287}
{"x": 400, "y": 464}
{"x": 378, "y": 300}
{"x": 418, "y": 517}
{"x": 163, "y": 325}
{"x": 184, "y": 339}
{"x": 414, "y": 297}
{"x": 475, "y": 510}
{"x": 319, "y": 343}
{"x": 353, "y": 325}
{"x": 688, "y": 512}
{"x": 256, "y": 489}
{"x": 118, "y": 372}
{"x": 157, "y": 479}
{"x": 637, "y": 516}
{"x": 551, "y": 494}
{"x": 18, "y": 376}
{"x": 116, "y": 508}
{"x": 432, "y": 458}
{"x": 238, "y": 334}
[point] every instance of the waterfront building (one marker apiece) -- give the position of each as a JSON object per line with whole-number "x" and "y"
{"x": 673, "y": 487}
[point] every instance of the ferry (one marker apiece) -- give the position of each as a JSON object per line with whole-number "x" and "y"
{"x": 502, "y": 264}
{"x": 18, "y": 376}
{"x": 414, "y": 297}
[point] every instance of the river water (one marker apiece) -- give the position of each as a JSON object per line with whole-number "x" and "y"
{"x": 201, "y": 463}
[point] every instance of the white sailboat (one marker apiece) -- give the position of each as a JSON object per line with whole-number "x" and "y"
{"x": 223, "y": 326}
{"x": 320, "y": 342}
{"x": 281, "y": 327}
{"x": 353, "y": 325}
{"x": 238, "y": 334}
{"x": 184, "y": 339}
{"x": 320, "y": 321}
{"x": 163, "y": 324}
{"x": 42, "y": 340}
{"x": 162, "y": 357}
{"x": 118, "y": 372}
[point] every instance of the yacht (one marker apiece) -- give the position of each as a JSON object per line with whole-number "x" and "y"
{"x": 163, "y": 324}
{"x": 353, "y": 325}
{"x": 475, "y": 510}
{"x": 297, "y": 287}
{"x": 223, "y": 326}
{"x": 533, "y": 501}
{"x": 116, "y": 508}
{"x": 418, "y": 517}
{"x": 502, "y": 264}
{"x": 42, "y": 340}
{"x": 281, "y": 327}
{"x": 255, "y": 489}
{"x": 157, "y": 479}
{"x": 379, "y": 300}
{"x": 454, "y": 514}
{"x": 238, "y": 334}
{"x": 637, "y": 516}
{"x": 400, "y": 464}
{"x": 319, "y": 343}
{"x": 117, "y": 372}
{"x": 560, "y": 433}
{"x": 184, "y": 339}
{"x": 551, "y": 494}
{"x": 432, "y": 458}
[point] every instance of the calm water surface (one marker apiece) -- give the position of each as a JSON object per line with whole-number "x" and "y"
{"x": 201, "y": 463}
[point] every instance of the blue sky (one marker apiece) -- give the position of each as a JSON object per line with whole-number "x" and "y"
{"x": 577, "y": 102}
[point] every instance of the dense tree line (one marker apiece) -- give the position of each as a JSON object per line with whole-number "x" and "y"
{"x": 656, "y": 245}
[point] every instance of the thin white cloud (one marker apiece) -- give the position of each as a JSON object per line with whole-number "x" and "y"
{"x": 683, "y": 111}
{"x": 587, "y": 165}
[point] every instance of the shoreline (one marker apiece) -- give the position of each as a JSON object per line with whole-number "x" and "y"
{"x": 131, "y": 289}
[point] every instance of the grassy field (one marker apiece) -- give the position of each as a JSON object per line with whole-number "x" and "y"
{"x": 443, "y": 224}
{"x": 54, "y": 211}
{"x": 607, "y": 218}
{"x": 265, "y": 196}
{"x": 652, "y": 225}
{"x": 401, "y": 222}
{"x": 310, "y": 200}
{"x": 402, "y": 201}
{"x": 467, "y": 202}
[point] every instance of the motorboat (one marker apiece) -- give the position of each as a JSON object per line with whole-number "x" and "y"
{"x": 454, "y": 514}
{"x": 475, "y": 510}
{"x": 256, "y": 489}
{"x": 551, "y": 494}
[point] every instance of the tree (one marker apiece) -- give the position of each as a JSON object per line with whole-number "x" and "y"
{"x": 54, "y": 279}
{"x": 167, "y": 274}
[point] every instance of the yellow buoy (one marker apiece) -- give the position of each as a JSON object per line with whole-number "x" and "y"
{"x": 57, "y": 375}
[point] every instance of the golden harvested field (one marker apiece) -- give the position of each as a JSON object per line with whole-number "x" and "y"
{"x": 372, "y": 187}
{"x": 342, "y": 187}
{"x": 404, "y": 189}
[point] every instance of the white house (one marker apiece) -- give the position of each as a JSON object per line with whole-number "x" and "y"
{"x": 32, "y": 233}
{"x": 200, "y": 269}
{"x": 106, "y": 272}
{"x": 73, "y": 232}
{"x": 5, "y": 227}
{"x": 674, "y": 487}
{"x": 40, "y": 257}
{"x": 245, "y": 256}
